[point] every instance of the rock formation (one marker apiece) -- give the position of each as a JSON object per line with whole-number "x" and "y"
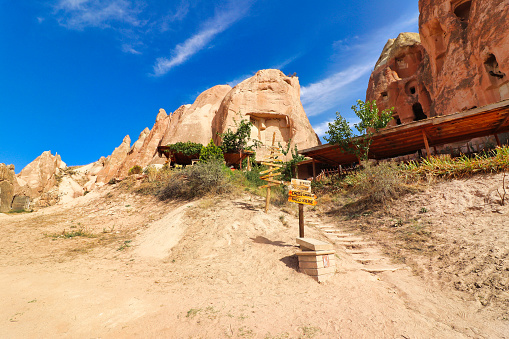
{"x": 7, "y": 186}
{"x": 271, "y": 101}
{"x": 114, "y": 161}
{"x": 398, "y": 80}
{"x": 468, "y": 46}
{"x": 194, "y": 122}
{"x": 41, "y": 174}
{"x": 461, "y": 61}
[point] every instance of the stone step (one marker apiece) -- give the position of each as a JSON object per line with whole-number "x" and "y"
{"x": 353, "y": 244}
{"x": 351, "y": 239}
{"x": 343, "y": 235}
{"x": 367, "y": 259}
{"x": 379, "y": 269}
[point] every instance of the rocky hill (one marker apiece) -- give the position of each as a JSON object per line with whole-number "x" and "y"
{"x": 269, "y": 99}
{"x": 459, "y": 60}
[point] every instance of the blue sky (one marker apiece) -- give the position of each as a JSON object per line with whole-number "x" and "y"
{"x": 76, "y": 76}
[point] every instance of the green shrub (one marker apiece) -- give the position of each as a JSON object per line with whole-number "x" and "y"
{"x": 211, "y": 177}
{"x": 187, "y": 148}
{"x": 211, "y": 152}
{"x": 377, "y": 183}
{"x": 136, "y": 169}
{"x": 234, "y": 142}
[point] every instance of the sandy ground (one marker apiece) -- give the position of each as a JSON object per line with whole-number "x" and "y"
{"x": 217, "y": 268}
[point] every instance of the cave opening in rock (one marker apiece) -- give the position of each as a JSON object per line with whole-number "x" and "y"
{"x": 491, "y": 65}
{"x": 385, "y": 96}
{"x": 418, "y": 112}
{"x": 397, "y": 119}
{"x": 412, "y": 90}
{"x": 462, "y": 11}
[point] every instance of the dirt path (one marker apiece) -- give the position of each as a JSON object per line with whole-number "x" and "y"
{"x": 207, "y": 269}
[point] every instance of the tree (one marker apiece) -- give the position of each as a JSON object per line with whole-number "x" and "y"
{"x": 234, "y": 142}
{"x": 211, "y": 152}
{"x": 371, "y": 121}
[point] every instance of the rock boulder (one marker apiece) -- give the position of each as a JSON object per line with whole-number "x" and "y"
{"x": 271, "y": 101}
{"x": 7, "y": 186}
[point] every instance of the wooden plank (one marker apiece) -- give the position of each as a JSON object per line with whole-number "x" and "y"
{"x": 426, "y": 143}
{"x": 303, "y": 201}
{"x": 315, "y": 258}
{"x": 292, "y": 193}
{"x": 314, "y": 245}
{"x": 317, "y": 271}
{"x": 314, "y": 253}
{"x": 315, "y": 264}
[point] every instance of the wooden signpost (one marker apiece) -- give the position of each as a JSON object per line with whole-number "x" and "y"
{"x": 300, "y": 193}
{"x": 275, "y": 166}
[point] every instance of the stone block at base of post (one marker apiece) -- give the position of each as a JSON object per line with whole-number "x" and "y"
{"x": 316, "y": 259}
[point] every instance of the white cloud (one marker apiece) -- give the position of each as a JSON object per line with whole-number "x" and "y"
{"x": 321, "y": 128}
{"x": 40, "y": 19}
{"x": 325, "y": 94}
{"x": 79, "y": 14}
{"x": 286, "y": 62}
{"x": 128, "y": 48}
{"x": 238, "y": 80}
{"x": 363, "y": 51}
{"x": 178, "y": 14}
{"x": 182, "y": 52}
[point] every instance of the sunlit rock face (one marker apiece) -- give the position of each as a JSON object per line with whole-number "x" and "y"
{"x": 271, "y": 101}
{"x": 459, "y": 61}
{"x": 40, "y": 174}
{"x": 399, "y": 78}
{"x": 7, "y": 182}
{"x": 113, "y": 162}
{"x": 468, "y": 46}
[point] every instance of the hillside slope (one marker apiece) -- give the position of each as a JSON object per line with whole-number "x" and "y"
{"x": 214, "y": 268}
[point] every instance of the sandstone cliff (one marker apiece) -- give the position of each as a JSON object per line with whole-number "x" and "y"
{"x": 468, "y": 47}
{"x": 398, "y": 80}
{"x": 7, "y": 186}
{"x": 271, "y": 101}
{"x": 41, "y": 174}
{"x": 114, "y": 161}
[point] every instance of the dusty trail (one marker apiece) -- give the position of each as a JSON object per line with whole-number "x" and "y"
{"x": 206, "y": 269}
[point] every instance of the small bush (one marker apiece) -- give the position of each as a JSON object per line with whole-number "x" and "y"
{"x": 187, "y": 148}
{"x": 156, "y": 180}
{"x": 211, "y": 177}
{"x": 211, "y": 152}
{"x": 136, "y": 169}
{"x": 377, "y": 183}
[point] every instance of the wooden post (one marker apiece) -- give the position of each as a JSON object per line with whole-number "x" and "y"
{"x": 498, "y": 140}
{"x": 435, "y": 149}
{"x": 240, "y": 160}
{"x": 267, "y": 201}
{"x": 301, "y": 221}
{"x": 314, "y": 170}
{"x": 249, "y": 163}
{"x": 426, "y": 143}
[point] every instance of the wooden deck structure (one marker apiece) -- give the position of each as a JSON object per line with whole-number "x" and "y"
{"x": 484, "y": 121}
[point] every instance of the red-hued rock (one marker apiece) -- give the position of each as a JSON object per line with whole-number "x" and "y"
{"x": 459, "y": 61}
{"x": 468, "y": 47}
{"x": 398, "y": 80}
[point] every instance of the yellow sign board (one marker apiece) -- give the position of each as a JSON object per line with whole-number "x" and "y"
{"x": 301, "y": 194}
{"x": 302, "y": 200}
